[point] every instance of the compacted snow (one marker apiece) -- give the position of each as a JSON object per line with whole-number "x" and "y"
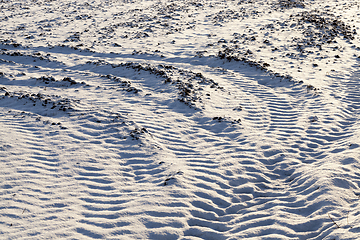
{"x": 212, "y": 119}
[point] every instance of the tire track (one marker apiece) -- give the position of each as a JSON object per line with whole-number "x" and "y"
{"x": 258, "y": 191}
{"x": 204, "y": 178}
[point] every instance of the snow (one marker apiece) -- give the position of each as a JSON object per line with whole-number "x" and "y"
{"x": 179, "y": 119}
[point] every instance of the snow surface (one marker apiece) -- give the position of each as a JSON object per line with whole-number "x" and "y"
{"x": 182, "y": 119}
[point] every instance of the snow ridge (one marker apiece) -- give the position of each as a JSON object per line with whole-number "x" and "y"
{"x": 179, "y": 120}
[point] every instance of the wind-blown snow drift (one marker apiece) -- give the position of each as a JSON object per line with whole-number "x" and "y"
{"x": 179, "y": 119}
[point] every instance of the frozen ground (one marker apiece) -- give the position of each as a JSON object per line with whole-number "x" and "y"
{"x": 179, "y": 119}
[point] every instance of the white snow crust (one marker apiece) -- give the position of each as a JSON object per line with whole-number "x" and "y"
{"x": 210, "y": 119}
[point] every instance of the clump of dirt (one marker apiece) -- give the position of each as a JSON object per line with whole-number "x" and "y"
{"x": 291, "y": 4}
